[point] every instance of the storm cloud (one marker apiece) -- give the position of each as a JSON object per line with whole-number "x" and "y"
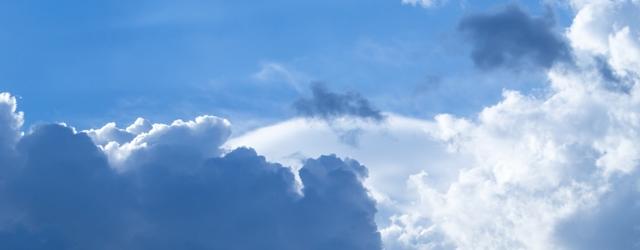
{"x": 513, "y": 39}
{"x": 61, "y": 191}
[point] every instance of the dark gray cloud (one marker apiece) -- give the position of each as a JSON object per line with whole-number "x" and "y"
{"x": 61, "y": 193}
{"x": 328, "y": 105}
{"x": 513, "y": 39}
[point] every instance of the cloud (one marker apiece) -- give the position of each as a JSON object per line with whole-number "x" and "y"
{"x": 392, "y": 151}
{"x": 179, "y": 141}
{"x": 277, "y": 72}
{"x": 328, "y": 105}
{"x": 609, "y": 29}
{"x": 512, "y": 39}
{"x": 10, "y": 122}
{"x": 612, "y": 224}
{"x": 424, "y": 3}
{"x": 173, "y": 191}
{"x": 557, "y": 170}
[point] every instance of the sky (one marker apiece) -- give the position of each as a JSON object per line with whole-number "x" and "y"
{"x": 242, "y": 61}
{"x": 382, "y": 124}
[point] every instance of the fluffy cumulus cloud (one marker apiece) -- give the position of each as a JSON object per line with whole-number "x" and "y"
{"x": 156, "y": 186}
{"x": 553, "y": 171}
{"x": 511, "y": 38}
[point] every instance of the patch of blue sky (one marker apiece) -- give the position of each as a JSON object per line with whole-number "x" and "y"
{"x": 92, "y": 62}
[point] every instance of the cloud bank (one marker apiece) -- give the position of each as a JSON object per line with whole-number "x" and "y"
{"x": 171, "y": 187}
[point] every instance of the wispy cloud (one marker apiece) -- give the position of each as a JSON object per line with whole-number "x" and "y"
{"x": 328, "y": 105}
{"x": 278, "y": 73}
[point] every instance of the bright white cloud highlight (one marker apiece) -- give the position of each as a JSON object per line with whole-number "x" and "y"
{"x": 10, "y": 121}
{"x": 126, "y": 148}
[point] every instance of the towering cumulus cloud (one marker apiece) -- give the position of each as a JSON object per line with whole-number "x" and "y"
{"x": 553, "y": 171}
{"x": 171, "y": 187}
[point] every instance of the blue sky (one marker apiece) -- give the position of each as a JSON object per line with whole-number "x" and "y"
{"x": 124, "y": 60}
{"x": 320, "y": 125}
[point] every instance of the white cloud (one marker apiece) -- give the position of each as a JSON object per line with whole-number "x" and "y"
{"x": 127, "y": 148}
{"x": 277, "y": 72}
{"x": 505, "y": 179}
{"x": 610, "y": 29}
{"x": 424, "y": 3}
{"x": 527, "y": 164}
{"x": 10, "y": 122}
{"x": 392, "y": 150}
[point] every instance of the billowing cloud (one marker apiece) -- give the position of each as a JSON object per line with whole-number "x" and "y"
{"x": 511, "y": 38}
{"x": 328, "y": 105}
{"x": 178, "y": 142}
{"x": 554, "y": 170}
{"x": 171, "y": 187}
{"x": 609, "y": 29}
{"x": 557, "y": 170}
{"x": 392, "y": 151}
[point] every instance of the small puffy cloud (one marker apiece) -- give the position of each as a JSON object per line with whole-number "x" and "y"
{"x": 424, "y": 3}
{"x": 175, "y": 189}
{"x": 328, "y": 105}
{"x": 510, "y": 38}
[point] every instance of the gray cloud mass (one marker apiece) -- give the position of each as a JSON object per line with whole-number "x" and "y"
{"x": 513, "y": 39}
{"x": 58, "y": 190}
{"x": 328, "y": 105}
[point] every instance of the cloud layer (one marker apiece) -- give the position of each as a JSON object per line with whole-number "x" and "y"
{"x": 171, "y": 187}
